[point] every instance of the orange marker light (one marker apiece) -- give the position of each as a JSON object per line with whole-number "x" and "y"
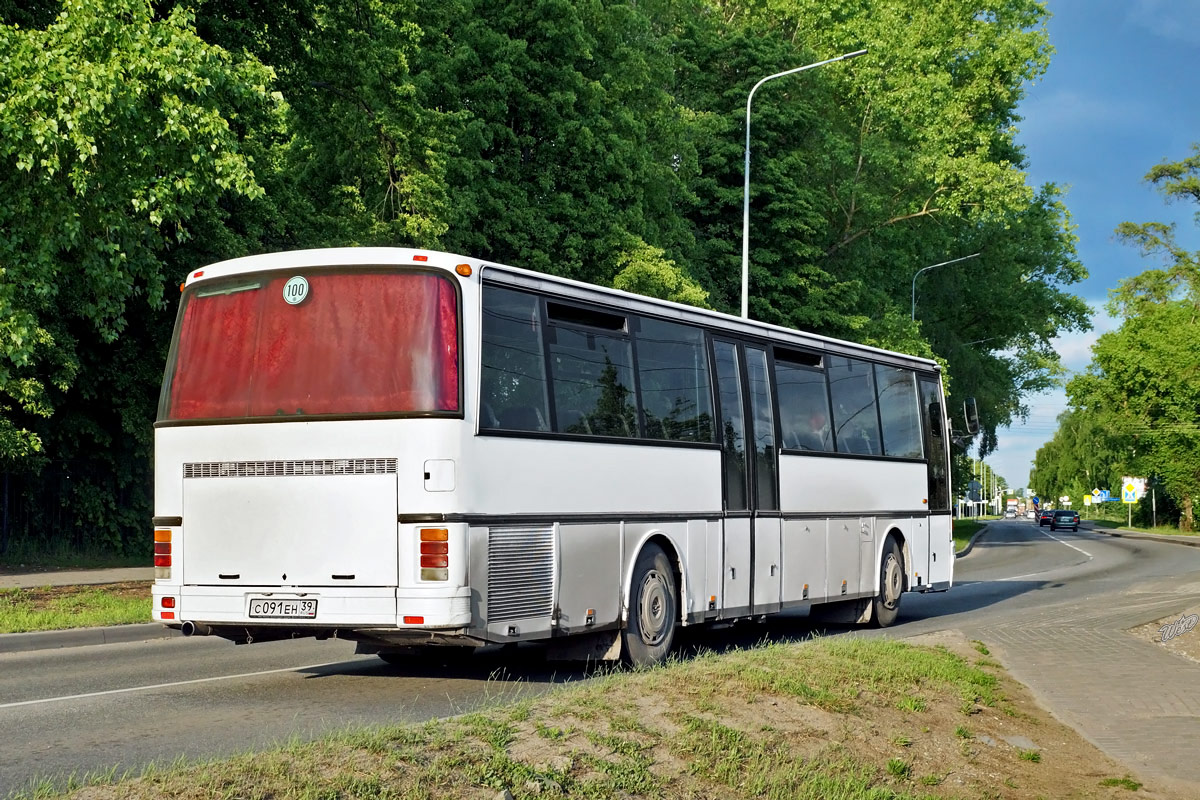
{"x": 464, "y": 270}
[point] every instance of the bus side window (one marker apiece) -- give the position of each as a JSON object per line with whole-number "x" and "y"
{"x": 803, "y": 401}
{"x": 856, "y": 420}
{"x": 675, "y": 388}
{"x": 899, "y": 410}
{"x": 592, "y": 381}
{"x": 513, "y": 376}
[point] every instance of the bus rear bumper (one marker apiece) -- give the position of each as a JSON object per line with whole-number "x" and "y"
{"x": 308, "y": 610}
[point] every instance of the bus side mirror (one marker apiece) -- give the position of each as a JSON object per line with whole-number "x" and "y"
{"x": 971, "y": 416}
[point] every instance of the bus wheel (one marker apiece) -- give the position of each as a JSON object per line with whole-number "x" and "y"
{"x": 653, "y": 610}
{"x": 891, "y": 585}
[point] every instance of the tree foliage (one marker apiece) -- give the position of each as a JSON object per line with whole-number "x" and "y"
{"x": 1135, "y": 410}
{"x": 596, "y": 139}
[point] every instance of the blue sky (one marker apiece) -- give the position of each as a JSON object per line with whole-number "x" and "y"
{"x": 1122, "y": 94}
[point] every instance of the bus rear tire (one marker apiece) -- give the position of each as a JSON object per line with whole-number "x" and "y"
{"x": 891, "y": 585}
{"x": 653, "y": 610}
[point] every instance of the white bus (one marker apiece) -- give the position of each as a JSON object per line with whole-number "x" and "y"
{"x": 405, "y": 448}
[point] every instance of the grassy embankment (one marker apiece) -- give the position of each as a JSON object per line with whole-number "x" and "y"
{"x": 52, "y": 608}
{"x": 49, "y": 608}
{"x": 830, "y": 719}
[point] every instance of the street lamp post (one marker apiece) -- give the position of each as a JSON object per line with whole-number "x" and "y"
{"x": 746, "y": 174}
{"x": 924, "y": 269}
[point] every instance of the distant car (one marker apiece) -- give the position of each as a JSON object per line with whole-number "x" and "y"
{"x": 1031, "y": 514}
{"x": 1010, "y": 515}
{"x": 1064, "y": 518}
{"x": 1045, "y": 517}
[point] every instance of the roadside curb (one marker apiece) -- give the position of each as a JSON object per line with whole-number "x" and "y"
{"x": 81, "y": 637}
{"x": 971, "y": 543}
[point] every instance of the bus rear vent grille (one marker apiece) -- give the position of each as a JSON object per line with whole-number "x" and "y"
{"x": 271, "y": 469}
{"x": 520, "y": 573}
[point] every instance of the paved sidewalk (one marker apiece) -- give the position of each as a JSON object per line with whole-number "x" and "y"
{"x": 10, "y": 579}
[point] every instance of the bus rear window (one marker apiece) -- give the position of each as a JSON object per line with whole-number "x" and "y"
{"x": 311, "y": 342}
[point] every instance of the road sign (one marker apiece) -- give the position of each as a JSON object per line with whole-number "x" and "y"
{"x": 1087, "y": 499}
{"x": 1129, "y": 493}
{"x": 1138, "y": 487}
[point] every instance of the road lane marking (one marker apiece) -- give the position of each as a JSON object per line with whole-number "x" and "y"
{"x": 1068, "y": 544}
{"x": 152, "y": 686}
{"x": 1044, "y": 571}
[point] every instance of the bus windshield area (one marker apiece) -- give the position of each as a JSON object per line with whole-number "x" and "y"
{"x": 315, "y": 342}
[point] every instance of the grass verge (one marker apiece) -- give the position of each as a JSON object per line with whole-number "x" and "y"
{"x": 964, "y": 529}
{"x": 1161, "y": 530}
{"x": 53, "y": 608}
{"x": 824, "y": 720}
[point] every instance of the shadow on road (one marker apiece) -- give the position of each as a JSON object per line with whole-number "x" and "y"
{"x": 529, "y": 663}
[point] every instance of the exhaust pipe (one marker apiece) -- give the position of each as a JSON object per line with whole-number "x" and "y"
{"x": 190, "y": 628}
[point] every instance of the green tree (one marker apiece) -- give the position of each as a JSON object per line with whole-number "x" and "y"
{"x": 866, "y": 171}
{"x": 122, "y": 136}
{"x": 595, "y": 139}
{"x": 1144, "y": 379}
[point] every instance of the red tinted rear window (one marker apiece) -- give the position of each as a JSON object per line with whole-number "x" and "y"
{"x": 367, "y": 342}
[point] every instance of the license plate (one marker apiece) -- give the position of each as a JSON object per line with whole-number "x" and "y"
{"x": 283, "y": 608}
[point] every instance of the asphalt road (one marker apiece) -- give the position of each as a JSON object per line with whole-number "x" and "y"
{"x": 85, "y": 709}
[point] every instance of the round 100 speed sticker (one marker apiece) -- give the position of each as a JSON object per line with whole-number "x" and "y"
{"x": 295, "y": 290}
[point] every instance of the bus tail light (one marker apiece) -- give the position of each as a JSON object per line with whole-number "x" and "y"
{"x": 162, "y": 553}
{"x": 435, "y": 554}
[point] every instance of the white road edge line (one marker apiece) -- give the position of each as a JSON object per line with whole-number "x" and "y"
{"x": 164, "y": 685}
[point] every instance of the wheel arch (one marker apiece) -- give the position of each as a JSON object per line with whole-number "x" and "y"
{"x": 668, "y": 547}
{"x": 893, "y": 532}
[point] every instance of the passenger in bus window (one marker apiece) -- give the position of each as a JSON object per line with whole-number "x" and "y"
{"x": 819, "y": 431}
{"x": 811, "y": 433}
